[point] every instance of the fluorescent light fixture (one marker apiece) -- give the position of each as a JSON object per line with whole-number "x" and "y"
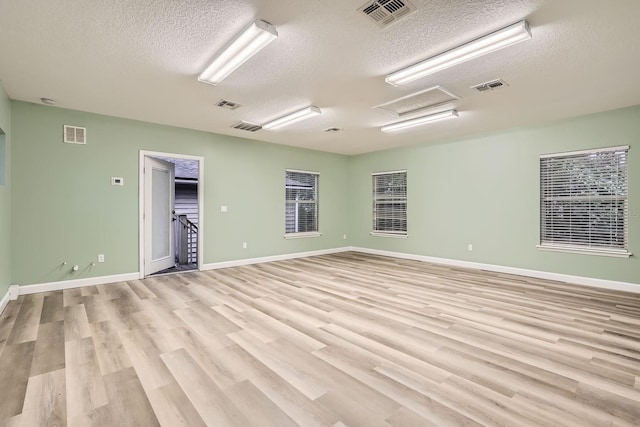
{"x": 507, "y": 36}
{"x": 292, "y": 118}
{"x": 418, "y": 121}
{"x": 251, "y": 41}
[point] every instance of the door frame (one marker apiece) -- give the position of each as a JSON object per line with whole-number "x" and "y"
{"x": 141, "y": 205}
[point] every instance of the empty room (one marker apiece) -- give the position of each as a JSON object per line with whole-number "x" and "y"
{"x": 320, "y": 213}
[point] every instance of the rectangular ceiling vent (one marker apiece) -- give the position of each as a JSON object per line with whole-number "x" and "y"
{"x": 229, "y": 105}
{"x": 75, "y": 135}
{"x": 386, "y": 12}
{"x": 249, "y": 127}
{"x": 492, "y": 85}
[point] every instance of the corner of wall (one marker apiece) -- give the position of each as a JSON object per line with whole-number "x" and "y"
{"x": 5, "y": 195}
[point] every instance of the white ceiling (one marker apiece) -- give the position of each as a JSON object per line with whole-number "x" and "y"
{"x": 140, "y": 60}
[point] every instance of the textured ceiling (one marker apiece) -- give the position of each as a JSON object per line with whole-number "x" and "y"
{"x": 140, "y": 60}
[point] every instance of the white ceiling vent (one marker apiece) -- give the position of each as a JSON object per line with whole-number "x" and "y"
{"x": 250, "y": 127}
{"x": 492, "y": 85}
{"x": 75, "y": 135}
{"x": 229, "y": 105}
{"x": 420, "y": 101}
{"x": 386, "y": 12}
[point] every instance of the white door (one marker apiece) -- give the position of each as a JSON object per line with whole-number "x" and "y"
{"x": 159, "y": 194}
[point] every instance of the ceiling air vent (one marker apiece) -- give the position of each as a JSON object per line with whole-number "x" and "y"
{"x": 249, "y": 127}
{"x": 492, "y": 85}
{"x": 75, "y": 135}
{"x": 386, "y": 12}
{"x": 229, "y": 105}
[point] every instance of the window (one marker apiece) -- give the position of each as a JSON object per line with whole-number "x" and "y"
{"x": 390, "y": 204}
{"x": 583, "y": 201}
{"x": 301, "y": 211}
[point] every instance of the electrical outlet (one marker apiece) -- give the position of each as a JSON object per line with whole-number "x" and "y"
{"x": 100, "y": 257}
{"x": 244, "y": 245}
{"x": 469, "y": 247}
{"x": 344, "y": 236}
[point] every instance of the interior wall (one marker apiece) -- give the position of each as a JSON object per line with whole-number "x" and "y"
{"x": 5, "y": 193}
{"x": 65, "y": 209}
{"x": 484, "y": 191}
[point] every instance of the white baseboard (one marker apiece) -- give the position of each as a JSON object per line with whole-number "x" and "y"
{"x": 576, "y": 280}
{"x": 4, "y": 301}
{"x": 76, "y": 283}
{"x": 248, "y": 261}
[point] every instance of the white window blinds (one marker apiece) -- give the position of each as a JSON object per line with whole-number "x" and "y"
{"x": 583, "y": 200}
{"x": 390, "y": 203}
{"x": 301, "y": 195}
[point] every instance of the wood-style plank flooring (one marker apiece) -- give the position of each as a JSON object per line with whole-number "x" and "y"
{"x": 337, "y": 340}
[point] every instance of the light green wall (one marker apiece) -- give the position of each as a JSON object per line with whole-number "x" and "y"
{"x": 64, "y": 208}
{"x": 481, "y": 190}
{"x": 5, "y": 194}
{"x": 485, "y": 191}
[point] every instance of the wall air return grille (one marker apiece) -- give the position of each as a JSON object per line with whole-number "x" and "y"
{"x": 75, "y": 135}
{"x": 229, "y": 105}
{"x": 492, "y": 85}
{"x": 249, "y": 127}
{"x": 386, "y": 12}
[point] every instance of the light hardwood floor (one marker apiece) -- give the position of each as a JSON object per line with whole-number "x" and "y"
{"x": 337, "y": 340}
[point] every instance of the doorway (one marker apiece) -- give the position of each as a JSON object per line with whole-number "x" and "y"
{"x": 171, "y": 213}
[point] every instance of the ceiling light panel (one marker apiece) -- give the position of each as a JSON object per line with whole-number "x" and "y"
{"x": 507, "y": 36}
{"x": 257, "y": 36}
{"x": 292, "y": 118}
{"x": 419, "y": 121}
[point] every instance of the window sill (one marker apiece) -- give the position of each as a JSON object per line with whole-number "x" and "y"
{"x": 393, "y": 235}
{"x": 586, "y": 251}
{"x": 302, "y": 235}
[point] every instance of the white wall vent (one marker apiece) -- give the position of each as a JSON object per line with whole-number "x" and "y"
{"x": 75, "y": 135}
{"x": 229, "y": 105}
{"x": 250, "y": 127}
{"x": 492, "y": 85}
{"x": 386, "y": 12}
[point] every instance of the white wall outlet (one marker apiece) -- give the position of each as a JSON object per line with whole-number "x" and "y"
{"x": 344, "y": 236}
{"x": 244, "y": 245}
{"x": 117, "y": 180}
{"x": 224, "y": 209}
{"x": 469, "y": 247}
{"x": 100, "y": 257}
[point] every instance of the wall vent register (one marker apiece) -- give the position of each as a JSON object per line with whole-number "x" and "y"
{"x": 74, "y": 135}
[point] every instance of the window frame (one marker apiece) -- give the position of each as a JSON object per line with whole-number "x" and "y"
{"x": 401, "y": 234}
{"x": 551, "y": 192}
{"x": 315, "y": 201}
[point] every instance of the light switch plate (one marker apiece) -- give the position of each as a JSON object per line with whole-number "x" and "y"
{"x": 117, "y": 180}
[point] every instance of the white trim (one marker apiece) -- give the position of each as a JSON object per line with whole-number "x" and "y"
{"x": 388, "y": 234}
{"x": 4, "y": 301}
{"x": 201, "y": 217}
{"x": 302, "y": 235}
{"x": 585, "y": 251}
{"x": 76, "y": 283}
{"x": 301, "y": 171}
{"x": 576, "y": 280}
{"x": 594, "y": 150}
{"x": 388, "y": 172}
{"x": 283, "y": 257}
